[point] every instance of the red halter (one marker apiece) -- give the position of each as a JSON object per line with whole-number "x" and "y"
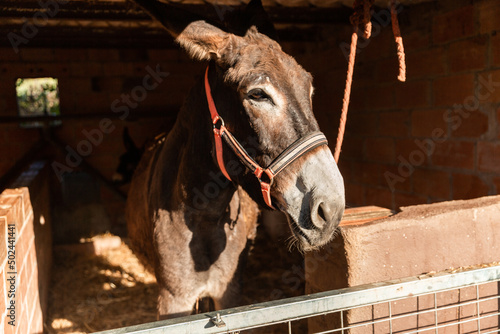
{"x": 290, "y": 154}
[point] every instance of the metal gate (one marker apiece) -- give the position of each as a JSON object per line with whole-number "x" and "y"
{"x": 450, "y": 302}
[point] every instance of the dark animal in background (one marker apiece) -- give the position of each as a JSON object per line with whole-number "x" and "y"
{"x": 128, "y": 160}
{"x": 185, "y": 218}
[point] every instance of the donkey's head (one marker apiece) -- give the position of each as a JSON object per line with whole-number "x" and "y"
{"x": 265, "y": 99}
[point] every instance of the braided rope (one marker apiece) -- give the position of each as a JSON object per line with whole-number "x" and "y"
{"x": 347, "y": 94}
{"x": 362, "y": 9}
{"x": 399, "y": 42}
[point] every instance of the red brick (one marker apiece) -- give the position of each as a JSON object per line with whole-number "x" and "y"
{"x": 76, "y": 85}
{"x": 56, "y": 70}
{"x": 107, "y": 84}
{"x": 495, "y": 50}
{"x": 117, "y": 68}
{"x": 32, "y": 295}
{"x": 22, "y": 321}
{"x": 352, "y": 147}
{"x": 426, "y": 123}
{"x": 488, "y": 155}
{"x": 93, "y": 102}
{"x": 14, "y": 133}
{"x": 165, "y": 54}
{"x": 467, "y": 186}
{"x": 488, "y": 16}
{"x": 496, "y": 182}
{"x": 453, "y": 89}
{"x": 87, "y": 69}
{"x": 139, "y": 68}
{"x": 363, "y": 76}
{"x": 8, "y": 329}
{"x": 73, "y": 55}
{"x": 378, "y": 196}
{"x": 432, "y": 183}
{"x": 3, "y": 237}
{"x": 412, "y": 153}
{"x": 394, "y": 123}
{"x": 344, "y": 166}
{"x": 2, "y": 291}
{"x": 12, "y": 71}
{"x": 412, "y": 94}
{"x": 354, "y": 194}
{"x": 498, "y": 123}
{"x": 386, "y": 70}
{"x": 380, "y": 149}
{"x": 455, "y": 154}
{"x": 415, "y": 40}
{"x": 133, "y": 54}
{"x": 366, "y": 173}
{"x": 15, "y": 214}
{"x": 396, "y": 179}
{"x": 36, "y": 325}
{"x": 23, "y": 280}
{"x": 37, "y": 54}
{"x": 426, "y": 63}
{"x": 379, "y": 98}
{"x": 378, "y": 46}
{"x": 475, "y": 125}
{"x": 453, "y": 25}
{"x": 8, "y": 54}
{"x": 158, "y": 99}
{"x": 103, "y": 55}
{"x": 489, "y": 86}
{"x": 21, "y": 247}
{"x": 401, "y": 199}
{"x": 469, "y": 54}
{"x": 362, "y": 124}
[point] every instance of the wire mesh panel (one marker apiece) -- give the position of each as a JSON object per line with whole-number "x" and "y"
{"x": 473, "y": 309}
{"x": 461, "y": 302}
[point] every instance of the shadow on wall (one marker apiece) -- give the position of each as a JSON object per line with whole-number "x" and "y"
{"x": 78, "y": 209}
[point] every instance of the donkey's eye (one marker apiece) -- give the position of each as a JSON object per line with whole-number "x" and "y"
{"x": 258, "y": 95}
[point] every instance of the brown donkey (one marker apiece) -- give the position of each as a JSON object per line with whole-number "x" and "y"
{"x": 193, "y": 201}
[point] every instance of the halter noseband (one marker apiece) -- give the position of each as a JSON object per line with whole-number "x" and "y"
{"x": 290, "y": 154}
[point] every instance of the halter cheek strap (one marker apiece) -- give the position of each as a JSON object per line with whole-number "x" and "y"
{"x": 289, "y": 155}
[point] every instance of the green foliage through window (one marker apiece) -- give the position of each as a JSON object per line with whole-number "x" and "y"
{"x": 38, "y": 97}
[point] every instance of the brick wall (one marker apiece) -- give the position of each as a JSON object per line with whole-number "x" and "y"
{"x": 90, "y": 80}
{"x": 435, "y": 137}
{"x": 24, "y": 286}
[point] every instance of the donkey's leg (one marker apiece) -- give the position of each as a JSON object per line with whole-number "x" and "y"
{"x": 170, "y": 306}
{"x": 231, "y": 293}
{"x": 230, "y": 298}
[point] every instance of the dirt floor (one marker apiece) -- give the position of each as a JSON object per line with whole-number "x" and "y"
{"x": 92, "y": 293}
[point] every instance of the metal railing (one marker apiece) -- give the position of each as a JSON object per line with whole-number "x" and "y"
{"x": 343, "y": 301}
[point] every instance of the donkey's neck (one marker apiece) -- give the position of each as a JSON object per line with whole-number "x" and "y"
{"x": 207, "y": 191}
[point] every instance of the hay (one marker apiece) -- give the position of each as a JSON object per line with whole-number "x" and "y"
{"x": 92, "y": 293}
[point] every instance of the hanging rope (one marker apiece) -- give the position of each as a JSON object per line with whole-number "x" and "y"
{"x": 361, "y": 17}
{"x": 399, "y": 42}
{"x": 347, "y": 95}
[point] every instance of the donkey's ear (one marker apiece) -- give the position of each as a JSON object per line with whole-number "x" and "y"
{"x": 203, "y": 41}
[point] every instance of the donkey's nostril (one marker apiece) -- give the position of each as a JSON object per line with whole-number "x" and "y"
{"x": 321, "y": 213}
